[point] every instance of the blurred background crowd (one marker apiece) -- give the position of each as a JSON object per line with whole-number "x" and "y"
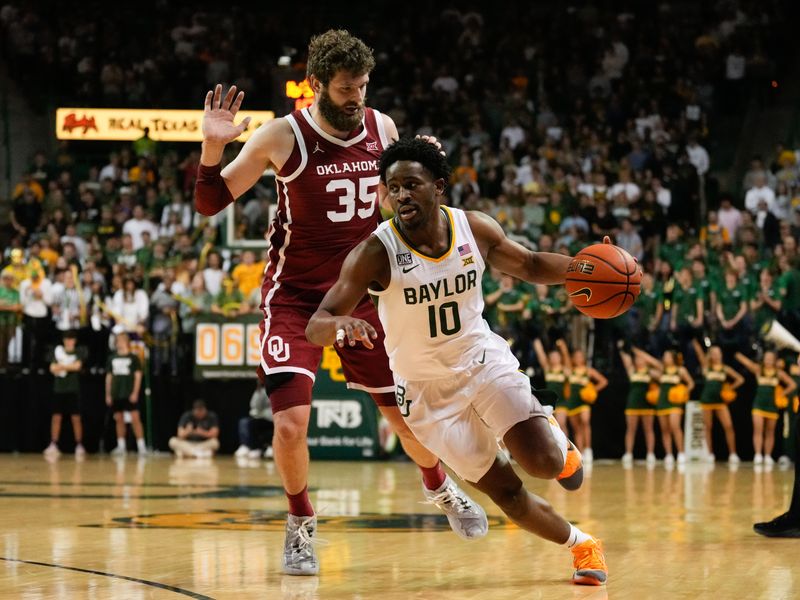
{"x": 565, "y": 122}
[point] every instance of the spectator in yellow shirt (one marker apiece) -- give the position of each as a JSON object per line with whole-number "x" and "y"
{"x": 28, "y": 183}
{"x": 248, "y": 273}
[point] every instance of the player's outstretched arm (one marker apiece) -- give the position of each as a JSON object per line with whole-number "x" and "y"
{"x": 271, "y": 143}
{"x": 514, "y": 259}
{"x": 366, "y": 265}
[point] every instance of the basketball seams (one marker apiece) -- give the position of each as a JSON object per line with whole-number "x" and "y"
{"x": 609, "y": 263}
{"x": 627, "y": 279}
{"x": 604, "y": 301}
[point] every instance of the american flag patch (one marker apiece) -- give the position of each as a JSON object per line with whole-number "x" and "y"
{"x": 465, "y": 249}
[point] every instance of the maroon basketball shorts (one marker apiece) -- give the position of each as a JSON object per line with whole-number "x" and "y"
{"x": 285, "y": 349}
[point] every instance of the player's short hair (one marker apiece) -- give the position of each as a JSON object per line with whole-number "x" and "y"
{"x": 336, "y": 50}
{"x": 70, "y": 334}
{"x": 198, "y": 403}
{"x": 417, "y": 150}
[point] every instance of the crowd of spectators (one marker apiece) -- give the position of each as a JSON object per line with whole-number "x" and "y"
{"x": 565, "y": 123}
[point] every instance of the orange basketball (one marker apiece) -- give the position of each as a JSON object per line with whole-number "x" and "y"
{"x": 603, "y": 281}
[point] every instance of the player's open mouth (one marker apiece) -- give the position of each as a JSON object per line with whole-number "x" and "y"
{"x": 407, "y": 212}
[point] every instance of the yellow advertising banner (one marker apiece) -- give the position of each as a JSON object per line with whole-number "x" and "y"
{"x": 129, "y": 123}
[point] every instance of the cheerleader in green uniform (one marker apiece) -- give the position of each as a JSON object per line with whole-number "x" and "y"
{"x": 716, "y": 374}
{"x": 585, "y": 383}
{"x": 637, "y": 408}
{"x": 765, "y": 413}
{"x": 555, "y": 376}
{"x": 675, "y": 386}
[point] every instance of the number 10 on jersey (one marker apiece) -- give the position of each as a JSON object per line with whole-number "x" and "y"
{"x": 444, "y": 318}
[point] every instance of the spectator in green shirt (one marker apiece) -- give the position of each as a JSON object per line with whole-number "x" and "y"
{"x": 686, "y": 319}
{"x": 123, "y": 382}
{"x": 701, "y": 281}
{"x": 673, "y": 250}
{"x": 748, "y": 279}
{"x": 66, "y": 362}
{"x": 731, "y": 310}
{"x": 649, "y": 309}
{"x": 767, "y": 301}
{"x": 229, "y": 300}
{"x": 10, "y": 309}
{"x": 509, "y": 306}
{"x": 542, "y": 313}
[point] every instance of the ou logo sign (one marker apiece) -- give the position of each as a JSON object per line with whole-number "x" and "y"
{"x": 278, "y": 349}
{"x": 343, "y": 413}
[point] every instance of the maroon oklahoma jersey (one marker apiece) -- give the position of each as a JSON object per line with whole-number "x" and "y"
{"x": 327, "y": 204}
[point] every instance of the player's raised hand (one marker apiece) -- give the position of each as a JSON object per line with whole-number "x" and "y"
{"x": 218, "y": 127}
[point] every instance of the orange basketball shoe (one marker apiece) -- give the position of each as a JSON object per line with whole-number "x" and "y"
{"x": 590, "y": 563}
{"x": 571, "y": 476}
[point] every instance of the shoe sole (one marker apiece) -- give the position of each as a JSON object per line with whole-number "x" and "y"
{"x": 574, "y": 481}
{"x": 586, "y": 580}
{"x": 300, "y": 572}
{"x": 787, "y": 533}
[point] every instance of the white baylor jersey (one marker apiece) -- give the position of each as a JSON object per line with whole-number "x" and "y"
{"x": 432, "y": 310}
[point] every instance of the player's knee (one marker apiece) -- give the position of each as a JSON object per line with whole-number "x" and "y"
{"x": 551, "y": 462}
{"x": 290, "y": 431}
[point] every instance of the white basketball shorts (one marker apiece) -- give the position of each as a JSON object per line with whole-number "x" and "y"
{"x": 460, "y": 418}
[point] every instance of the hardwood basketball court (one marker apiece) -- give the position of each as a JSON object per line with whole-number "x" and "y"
{"x": 160, "y": 528}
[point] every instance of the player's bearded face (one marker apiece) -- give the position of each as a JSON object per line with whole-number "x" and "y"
{"x": 344, "y": 117}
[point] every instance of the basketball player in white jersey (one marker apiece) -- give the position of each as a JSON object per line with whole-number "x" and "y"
{"x": 457, "y": 383}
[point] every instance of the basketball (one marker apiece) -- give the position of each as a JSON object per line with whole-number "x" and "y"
{"x": 603, "y": 281}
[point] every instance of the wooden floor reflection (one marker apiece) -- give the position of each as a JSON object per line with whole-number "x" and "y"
{"x": 159, "y": 528}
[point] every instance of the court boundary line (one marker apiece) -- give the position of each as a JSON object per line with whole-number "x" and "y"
{"x": 155, "y": 584}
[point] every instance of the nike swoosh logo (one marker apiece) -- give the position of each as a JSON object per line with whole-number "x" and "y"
{"x": 483, "y": 358}
{"x": 410, "y": 268}
{"x": 582, "y": 292}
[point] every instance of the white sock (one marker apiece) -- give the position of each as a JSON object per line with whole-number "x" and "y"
{"x": 560, "y": 436}
{"x": 120, "y": 442}
{"x": 140, "y": 444}
{"x": 576, "y": 536}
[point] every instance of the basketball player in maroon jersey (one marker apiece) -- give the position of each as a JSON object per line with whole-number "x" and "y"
{"x": 326, "y": 160}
